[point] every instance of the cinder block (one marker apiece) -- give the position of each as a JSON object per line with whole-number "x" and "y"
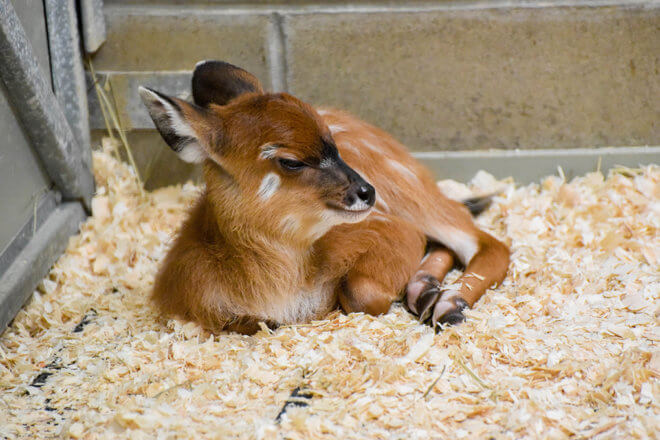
{"x": 460, "y": 79}
{"x": 157, "y": 40}
{"x": 157, "y": 164}
{"x": 123, "y": 88}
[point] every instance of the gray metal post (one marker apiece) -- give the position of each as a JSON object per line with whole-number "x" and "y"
{"x": 40, "y": 113}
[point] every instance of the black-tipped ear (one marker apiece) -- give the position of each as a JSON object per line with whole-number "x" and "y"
{"x": 218, "y": 82}
{"x": 173, "y": 125}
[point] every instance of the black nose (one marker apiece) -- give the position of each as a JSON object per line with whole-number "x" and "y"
{"x": 367, "y": 194}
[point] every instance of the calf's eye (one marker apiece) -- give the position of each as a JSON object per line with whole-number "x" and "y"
{"x": 290, "y": 164}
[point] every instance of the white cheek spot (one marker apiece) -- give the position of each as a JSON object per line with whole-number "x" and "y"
{"x": 268, "y": 186}
{"x": 402, "y": 169}
{"x": 464, "y": 245}
{"x": 336, "y": 128}
{"x": 326, "y": 163}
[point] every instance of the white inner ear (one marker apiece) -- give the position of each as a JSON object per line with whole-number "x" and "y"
{"x": 190, "y": 149}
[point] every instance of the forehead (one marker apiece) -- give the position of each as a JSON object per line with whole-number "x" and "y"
{"x": 281, "y": 118}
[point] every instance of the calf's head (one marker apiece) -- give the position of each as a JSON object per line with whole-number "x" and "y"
{"x": 275, "y": 150}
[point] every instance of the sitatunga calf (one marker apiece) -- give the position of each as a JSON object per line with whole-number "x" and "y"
{"x": 306, "y": 209}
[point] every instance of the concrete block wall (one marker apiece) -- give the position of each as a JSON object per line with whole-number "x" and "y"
{"x": 440, "y": 75}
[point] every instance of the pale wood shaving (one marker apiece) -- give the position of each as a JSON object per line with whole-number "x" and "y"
{"x": 565, "y": 347}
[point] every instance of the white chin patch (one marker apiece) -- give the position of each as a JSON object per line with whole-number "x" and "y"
{"x": 334, "y": 217}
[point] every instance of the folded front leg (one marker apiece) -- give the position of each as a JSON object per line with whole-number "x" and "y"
{"x": 378, "y": 276}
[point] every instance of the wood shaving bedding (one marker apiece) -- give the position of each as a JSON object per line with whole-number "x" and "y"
{"x": 566, "y": 347}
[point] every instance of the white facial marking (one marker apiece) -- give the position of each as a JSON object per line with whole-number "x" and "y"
{"x": 402, "y": 169}
{"x": 326, "y": 163}
{"x": 322, "y": 112}
{"x": 268, "y": 186}
{"x": 359, "y": 205}
{"x": 268, "y": 151}
{"x": 463, "y": 244}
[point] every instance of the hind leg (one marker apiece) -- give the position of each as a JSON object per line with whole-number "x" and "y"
{"x": 378, "y": 276}
{"x": 485, "y": 259}
{"x": 486, "y": 268}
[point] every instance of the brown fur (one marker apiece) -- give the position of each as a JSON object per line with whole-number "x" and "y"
{"x": 238, "y": 259}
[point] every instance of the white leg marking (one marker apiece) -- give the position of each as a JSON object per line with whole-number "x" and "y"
{"x": 464, "y": 245}
{"x": 269, "y": 185}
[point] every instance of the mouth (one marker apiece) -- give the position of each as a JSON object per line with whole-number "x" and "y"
{"x": 350, "y": 212}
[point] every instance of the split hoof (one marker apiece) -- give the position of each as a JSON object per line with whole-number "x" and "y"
{"x": 449, "y": 310}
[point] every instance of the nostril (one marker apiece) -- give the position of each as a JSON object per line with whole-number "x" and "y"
{"x": 367, "y": 194}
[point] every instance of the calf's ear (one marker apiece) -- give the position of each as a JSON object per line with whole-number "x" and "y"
{"x": 218, "y": 82}
{"x": 182, "y": 125}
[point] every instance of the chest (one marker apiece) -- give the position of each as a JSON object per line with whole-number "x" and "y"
{"x": 303, "y": 304}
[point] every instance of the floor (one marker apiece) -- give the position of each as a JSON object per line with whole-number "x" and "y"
{"x": 566, "y": 347}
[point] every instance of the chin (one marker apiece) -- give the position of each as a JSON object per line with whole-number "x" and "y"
{"x": 340, "y": 216}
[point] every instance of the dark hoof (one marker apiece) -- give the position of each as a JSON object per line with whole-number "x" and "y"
{"x": 452, "y": 318}
{"x": 426, "y": 301}
{"x": 449, "y": 311}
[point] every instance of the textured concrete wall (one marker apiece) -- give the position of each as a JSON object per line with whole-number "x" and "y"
{"x": 439, "y": 75}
